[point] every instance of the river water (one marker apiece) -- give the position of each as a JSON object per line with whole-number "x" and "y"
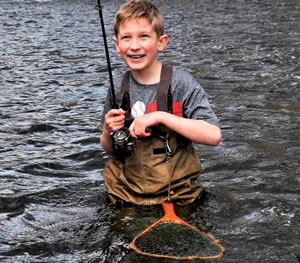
{"x": 53, "y": 77}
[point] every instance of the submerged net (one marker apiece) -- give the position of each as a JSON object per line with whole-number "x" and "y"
{"x": 171, "y": 237}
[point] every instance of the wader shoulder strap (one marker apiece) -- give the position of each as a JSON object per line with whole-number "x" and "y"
{"x": 122, "y": 98}
{"x": 164, "y": 97}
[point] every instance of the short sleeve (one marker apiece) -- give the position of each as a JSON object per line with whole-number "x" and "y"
{"x": 193, "y": 98}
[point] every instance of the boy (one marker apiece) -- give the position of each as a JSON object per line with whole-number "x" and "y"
{"x": 161, "y": 164}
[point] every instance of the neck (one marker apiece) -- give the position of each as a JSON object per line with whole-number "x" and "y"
{"x": 150, "y": 75}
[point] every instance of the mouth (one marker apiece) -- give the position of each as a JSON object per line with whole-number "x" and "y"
{"x": 136, "y": 56}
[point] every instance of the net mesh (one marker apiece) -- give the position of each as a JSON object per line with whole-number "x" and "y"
{"x": 171, "y": 237}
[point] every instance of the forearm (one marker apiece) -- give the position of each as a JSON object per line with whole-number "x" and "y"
{"x": 198, "y": 131}
{"x": 106, "y": 142}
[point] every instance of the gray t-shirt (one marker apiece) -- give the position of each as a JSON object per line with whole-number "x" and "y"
{"x": 189, "y": 98}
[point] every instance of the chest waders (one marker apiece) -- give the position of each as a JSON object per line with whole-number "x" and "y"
{"x": 161, "y": 167}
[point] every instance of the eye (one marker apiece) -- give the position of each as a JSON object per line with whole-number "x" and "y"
{"x": 144, "y": 36}
{"x": 125, "y": 37}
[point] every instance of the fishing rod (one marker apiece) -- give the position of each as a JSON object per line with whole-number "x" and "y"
{"x": 112, "y": 89}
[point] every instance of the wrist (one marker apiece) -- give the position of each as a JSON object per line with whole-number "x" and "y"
{"x": 105, "y": 132}
{"x": 162, "y": 116}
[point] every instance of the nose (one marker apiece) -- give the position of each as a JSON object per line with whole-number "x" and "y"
{"x": 135, "y": 44}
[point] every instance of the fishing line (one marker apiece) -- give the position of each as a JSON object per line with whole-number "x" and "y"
{"x": 99, "y": 7}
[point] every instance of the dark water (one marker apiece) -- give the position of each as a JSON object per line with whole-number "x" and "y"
{"x": 53, "y": 84}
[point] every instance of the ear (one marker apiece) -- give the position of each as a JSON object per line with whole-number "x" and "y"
{"x": 163, "y": 41}
{"x": 116, "y": 44}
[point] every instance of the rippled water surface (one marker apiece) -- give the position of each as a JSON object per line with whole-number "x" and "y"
{"x": 53, "y": 83}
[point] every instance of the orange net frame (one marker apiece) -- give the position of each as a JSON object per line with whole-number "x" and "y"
{"x": 173, "y": 238}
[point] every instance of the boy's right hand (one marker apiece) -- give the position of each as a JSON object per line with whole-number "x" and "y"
{"x": 114, "y": 120}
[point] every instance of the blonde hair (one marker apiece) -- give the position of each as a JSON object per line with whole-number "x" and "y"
{"x": 134, "y": 9}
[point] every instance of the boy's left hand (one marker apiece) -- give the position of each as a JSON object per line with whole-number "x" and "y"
{"x": 138, "y": 127}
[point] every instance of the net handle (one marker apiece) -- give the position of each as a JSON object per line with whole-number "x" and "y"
{"x": 170, "y": 215}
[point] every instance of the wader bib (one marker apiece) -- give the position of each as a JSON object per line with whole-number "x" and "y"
{"x": 161, "y": 167}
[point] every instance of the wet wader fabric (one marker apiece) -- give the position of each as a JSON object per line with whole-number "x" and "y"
{"x": 145, "y": 175}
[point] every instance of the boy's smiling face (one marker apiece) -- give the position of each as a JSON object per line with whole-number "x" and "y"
{"x": 138, "y": 44}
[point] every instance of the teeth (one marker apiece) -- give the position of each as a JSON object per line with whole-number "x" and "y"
{"x": 136, "y": 56}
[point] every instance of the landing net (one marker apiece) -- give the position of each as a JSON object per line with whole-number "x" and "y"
{"x": 171, "y": 237}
